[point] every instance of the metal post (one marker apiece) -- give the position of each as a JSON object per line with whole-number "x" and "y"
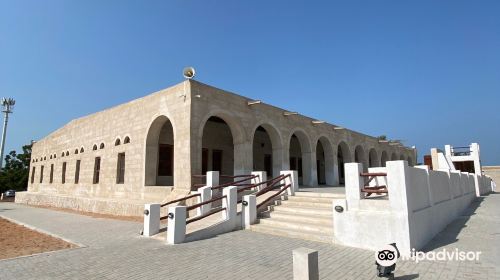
{"x": 7, "y": 106}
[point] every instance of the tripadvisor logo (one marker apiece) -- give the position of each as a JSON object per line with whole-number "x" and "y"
{"x": 386, "y": 256}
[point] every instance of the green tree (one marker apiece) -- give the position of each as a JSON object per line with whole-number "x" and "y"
{"x": 16, "y": 171}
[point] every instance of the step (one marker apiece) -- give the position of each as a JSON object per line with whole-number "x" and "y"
{"x": 297, "y": 218}
{"x": 302, "y": 226}
{"x": 267, "y": 229}
{"x": 304, "y": 210}
{"x": 311, "y": 199}
{"x": 320, "y": 195}
{"x": 313, "y": 204}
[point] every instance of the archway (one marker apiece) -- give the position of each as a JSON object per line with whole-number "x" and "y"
{"x": 217, "y": 148}
{"x": 300, "y": 158}
{"x": 159, "y": 164}
{"x": 402, "y": 157}
{"x": 394, "y": 156}
{"x": 410, "y": 161}
{"x": 325, "y": 171}
{"x": 373, "y": 158}
{"x": 343, "y": 156}
{"x": 267, "y": 150}
{"x": 384, "y": 158}
{"x": 359, "y": 156}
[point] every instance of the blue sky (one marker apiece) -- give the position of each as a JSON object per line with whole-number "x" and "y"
{"x": 427, "y": 72}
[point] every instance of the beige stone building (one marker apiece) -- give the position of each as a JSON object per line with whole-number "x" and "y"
{"x": 116, "y": 160}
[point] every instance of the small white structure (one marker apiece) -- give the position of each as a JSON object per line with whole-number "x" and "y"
{"x": 420, "y": 203}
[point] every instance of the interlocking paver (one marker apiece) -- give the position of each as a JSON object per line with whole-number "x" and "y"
{"x": 114, "y": 250}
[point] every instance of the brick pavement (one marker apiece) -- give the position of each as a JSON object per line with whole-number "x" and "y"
{"x": 114, "y": 250}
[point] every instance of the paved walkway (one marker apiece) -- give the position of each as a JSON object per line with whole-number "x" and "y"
{"x": 114, "y": 250}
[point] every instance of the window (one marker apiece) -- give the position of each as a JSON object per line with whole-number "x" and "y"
{"x": 67, "y": 153}
{"x": 165, "y": 160}
{"x": 97, "y": 169}
{"x": 101, "y": 146}
{"x": 33, "y": 175}
{"x": 94, "y": 148}
{"x": 77, "y": 171}
{"x": 126, "y": 140}
{"x": 76, "y": 151}
{"x": 51, "y": 177}
{"x": 82, "y": 150}
{"x": 120, "y": 169}
{"x": 63, "y": 177}
{"x": 41, "y": 174}
{"x": 117, "y": 142}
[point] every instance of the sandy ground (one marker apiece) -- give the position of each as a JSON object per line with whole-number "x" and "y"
{"x": 17, "y": 240}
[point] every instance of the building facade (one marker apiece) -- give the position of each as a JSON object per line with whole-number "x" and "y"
{"x": 143, "y": 150}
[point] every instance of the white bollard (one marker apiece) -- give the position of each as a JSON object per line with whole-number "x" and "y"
{"x": 293, "y": 179}
{"x": 151, "y": 219}
{"x": 205, "y": 195}
{"x": 262, "y": 178}
{"x": 249, "y": 210}
{"x": 305, "y": 264}
{"x": 176, "y": 228}
{"x": 230, "y": 203}
{"x": 212, "y": 178}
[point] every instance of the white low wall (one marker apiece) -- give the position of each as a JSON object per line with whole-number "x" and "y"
{"x": 420, "y": 204}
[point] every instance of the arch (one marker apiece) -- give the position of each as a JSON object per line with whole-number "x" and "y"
{"x": 62, "y": 154}
{"x": 101, "y": 146}
{"x": 267, "y": 149}
{"x": 402, "y": 157}
{"x": 76, "y": 151}
{"x": 67, "y": 153}
{"x": 343, "y": 156}
{"x": 325, "y": 165}
{"x": 82, "y": 150}
{"x": 45, "y": 158}
{"x": 359, "y": 155}
{"x": 126, "y": 140}
{"x": 55, "y": 155}
{"x": 159, "y": 163}
{"x": 299, "y": 151}
{"x": 383, "y": 159}
{"x": 394, "y": 156}
{"x": 373, "y": 158}
{"x": 410, "y": 161}
{"x": 218, "y": 147}
{"x": 238, "y": 155}
{"x": 94, "y": 148}
{"x": 117, "y": 142}
{"x": 50, "y": 157}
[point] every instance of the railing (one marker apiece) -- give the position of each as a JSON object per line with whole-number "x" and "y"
{"x": 270, "y": 181}
{"x": 180, "y": 199}
{"x": 202, "y": 178}
{"x": 369, "y": 190}
{"x": 236, "y": 183}
{"x": 267, "y": 200}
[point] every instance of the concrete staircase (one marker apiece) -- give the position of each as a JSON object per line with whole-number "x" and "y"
{"x": 306, "y": 215}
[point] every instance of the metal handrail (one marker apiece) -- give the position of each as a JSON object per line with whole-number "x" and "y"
{"x": 189, "y": 208}
{"x": 232, "y": 183}
{"x": 273, "y": 196}
{"x": 180, "y": 199}
{"x": 280, "y": 177}
{"x": 367, "y": 174}
{"x": 272, "y": 186}
{"x": 197, "y": 218}
{"x": 235, "y": 176}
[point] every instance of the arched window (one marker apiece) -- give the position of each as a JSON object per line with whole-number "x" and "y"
{"x": 55, "y": 156}
{"x": 67, "y": 153}
{"x": 76, "y": 151}
{"x": 62, "y": 154}
{"x": 44, "y": 158}
{"x": 117, "y": 142}
{"x": 126, "y": 140}
{"x": 101, "y": 146}
{"x": 82, "y": 150}
{"x": 94, "y": 148}
{"x": 50, "y": 157}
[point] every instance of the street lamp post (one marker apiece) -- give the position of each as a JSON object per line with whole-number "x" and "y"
{"x": 7, "y": 107}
